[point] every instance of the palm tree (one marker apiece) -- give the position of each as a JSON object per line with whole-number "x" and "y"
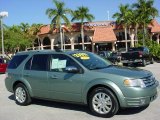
{"x": 82, "y": 14}
{"x": 57, "y": 15}
{"x": 135, "y": 21}
{"x": 35, "y": 28}
{"x": 124, "y": 19}
{"x": 24, "y": 27}
{"x": 146, "y": 13}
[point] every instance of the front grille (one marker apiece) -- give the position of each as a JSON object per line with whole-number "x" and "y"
{"x": 149, "y": 81}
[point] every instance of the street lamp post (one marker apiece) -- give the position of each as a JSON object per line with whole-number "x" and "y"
{"x": 2, "y": 15}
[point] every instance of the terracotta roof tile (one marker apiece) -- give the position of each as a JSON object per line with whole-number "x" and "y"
{"x": 44, "y": 29}
{"x": 102, "y": 34}
{"x": 155, "y": 27}
{"x": 77, "y": 26}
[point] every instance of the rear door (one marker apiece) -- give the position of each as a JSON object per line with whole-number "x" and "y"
{"x": 36, "y": 73}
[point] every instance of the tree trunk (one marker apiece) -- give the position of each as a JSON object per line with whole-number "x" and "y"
{"x": 61, "y": 37}
{"x": 82, "y": 36}
{"x": 144, "y": 34}
{"x": 125, "y": 31}
{"x": 136, "y": 32}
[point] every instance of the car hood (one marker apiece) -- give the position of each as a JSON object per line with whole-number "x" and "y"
{"x": 125, "y": 72}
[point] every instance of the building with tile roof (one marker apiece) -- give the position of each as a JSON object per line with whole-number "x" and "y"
{"x": 100, "y": 35}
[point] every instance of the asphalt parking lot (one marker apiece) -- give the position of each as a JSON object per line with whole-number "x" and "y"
{"x": 47, "y": 110}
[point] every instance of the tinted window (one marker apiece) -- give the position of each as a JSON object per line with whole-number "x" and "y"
{"x": 39, "y": 62}
{"x": 16, "y": 61}
{"x": 59, "y": 62}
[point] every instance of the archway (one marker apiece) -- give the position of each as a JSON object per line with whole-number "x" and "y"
{"x": 46, "y": 43}
{"x": 66, "y": 42}
{"x": 78, "y": 42}
{"x": 121, "y": 43}
{"x": 37, "y": 43}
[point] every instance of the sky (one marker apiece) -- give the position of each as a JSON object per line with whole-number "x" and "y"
{"x": 33, "y": 11}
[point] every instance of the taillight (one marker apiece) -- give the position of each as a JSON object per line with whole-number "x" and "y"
{"x": 140, "y": 53}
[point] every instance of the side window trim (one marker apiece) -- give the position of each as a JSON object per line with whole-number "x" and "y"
{"x": 29, "y": 61}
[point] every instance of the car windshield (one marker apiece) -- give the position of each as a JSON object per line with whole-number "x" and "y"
{"x": 90, "y": 60}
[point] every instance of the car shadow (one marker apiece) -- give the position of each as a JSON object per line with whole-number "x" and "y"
{"x": 61, "y": 105}
{"x": 131, "y": 111}
{"x": 82, "y": 108}
{"x": 11, "y": 97}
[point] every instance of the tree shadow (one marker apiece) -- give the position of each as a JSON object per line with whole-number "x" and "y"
{"x": 79, "y": 107}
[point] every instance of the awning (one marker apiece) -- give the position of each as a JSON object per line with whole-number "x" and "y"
{"x": 104, "y": 34}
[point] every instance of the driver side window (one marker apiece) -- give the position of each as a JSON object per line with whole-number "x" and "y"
{"x": 59, "y": 62}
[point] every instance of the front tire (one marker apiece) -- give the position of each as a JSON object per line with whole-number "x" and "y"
{"x": 21, "y": 95}
{"x": 125, "y": 64}
{"x": 103, "y": 103}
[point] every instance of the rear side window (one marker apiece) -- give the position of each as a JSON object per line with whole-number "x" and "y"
{"x": 16, "y": 61}
{"x": 38, "y": 62}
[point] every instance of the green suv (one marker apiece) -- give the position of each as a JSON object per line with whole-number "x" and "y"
{"x": 80, "y": 77}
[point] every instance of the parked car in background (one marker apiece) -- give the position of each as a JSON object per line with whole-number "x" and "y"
{"x": 79, "y": 77}
{"x": 113, "y": 57}
{"x": 137, "y": 56}
{"x": 3, "y": 65}
{"x": 105, "y": 54}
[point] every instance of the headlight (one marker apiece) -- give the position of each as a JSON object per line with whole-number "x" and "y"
{"x": 134, "y": 83}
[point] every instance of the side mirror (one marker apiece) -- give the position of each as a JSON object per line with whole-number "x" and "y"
{"x": 72, "y": 69}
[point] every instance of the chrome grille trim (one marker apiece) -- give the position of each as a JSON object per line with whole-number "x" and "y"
{"x": 149, "y": 81}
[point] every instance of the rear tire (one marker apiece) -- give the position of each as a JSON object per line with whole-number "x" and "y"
{"x": 125, "y": 64}
{"x": 21, "y": 95}
{"x": 143, "y": 63}
{"x": 103, "y": 103}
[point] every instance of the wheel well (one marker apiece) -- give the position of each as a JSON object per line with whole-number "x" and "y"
{"x": 16, "y": 83}
{"x": 96, "y": 86}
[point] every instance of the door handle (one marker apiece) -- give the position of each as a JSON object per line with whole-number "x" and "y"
{"x": 27, "y": 75}
{"x": 54, "y": 77}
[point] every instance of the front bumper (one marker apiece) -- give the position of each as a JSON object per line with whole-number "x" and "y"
{"x": 137, "y": 97}
{"x": 138, "y": 102}
{"x": 132, "y": 61}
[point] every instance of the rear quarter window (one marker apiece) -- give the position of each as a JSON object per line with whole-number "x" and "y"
{"x": 16, "y": 61}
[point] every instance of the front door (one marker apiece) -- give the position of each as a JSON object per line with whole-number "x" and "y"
{"x": 63, "y": 85}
